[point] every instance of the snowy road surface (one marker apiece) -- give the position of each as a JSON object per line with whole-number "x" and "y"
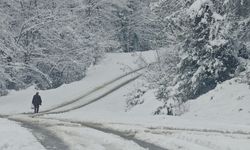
{"x": 44, "y": 136}
{"x": 15, "y": 137}
{"x": 79, "y": 135}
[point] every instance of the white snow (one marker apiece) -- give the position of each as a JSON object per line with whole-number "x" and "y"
{"x": 196, "y": 6}
{"x": 218, "y": 120}
{"x": 93, "y": 139}
{"x": 217, "y": 16}
{"x": 15, "y": 137}
{"x": 113, "y": 66}
{"x": 225, "y": 2}
{"x": 217, "y": 42}
{"x": 186, "y": 132}
{"x": 228, "y": 102}
{"x": 242, "y": 2}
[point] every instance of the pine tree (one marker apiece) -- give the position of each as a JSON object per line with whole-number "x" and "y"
{"x": 210, "y": 56}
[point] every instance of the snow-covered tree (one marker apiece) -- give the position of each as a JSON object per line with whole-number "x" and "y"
{"x": 209, "y": 54}
{"x": 51, "y": 42}
{"x": 135, "y": 26}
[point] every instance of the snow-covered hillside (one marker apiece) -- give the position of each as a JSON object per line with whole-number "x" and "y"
{"x": 111, "y": 67}
{"x": 216, "y": 120}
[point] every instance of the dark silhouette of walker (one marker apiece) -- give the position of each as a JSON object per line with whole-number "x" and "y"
{"x": 36, "y": 101}
{"x": 170, "y": 110}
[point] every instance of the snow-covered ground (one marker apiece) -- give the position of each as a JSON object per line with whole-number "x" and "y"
{"x": 111, "y": 67}
{"x": 15, "y": 137}
{"x": 210, "y": 124}
{"x": 228, "y": 103}
{"x": 218, "y": 120}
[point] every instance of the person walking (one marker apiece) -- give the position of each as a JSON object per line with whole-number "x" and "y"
{"x": 36, "y": 101}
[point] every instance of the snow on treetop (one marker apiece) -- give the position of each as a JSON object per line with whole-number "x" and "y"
{"x": 217, "y": 16}
{"x": 196, "y": 6}
{"x": 225, "y": 2}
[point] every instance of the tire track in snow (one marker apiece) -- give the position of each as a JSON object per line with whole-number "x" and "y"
{"x": 48, "y": 140}
{"x": 200, "y": 130}
{"x": 99, "y": 127}
{"x": 146, "y": 145}
{"x": 94, "y": 99}
{"x": 43, "y": 136}
{"x": 202, "y": 144}
{"x": 91, "y": 92}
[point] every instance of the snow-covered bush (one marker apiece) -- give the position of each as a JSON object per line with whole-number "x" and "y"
{"x": 135, "y": 96}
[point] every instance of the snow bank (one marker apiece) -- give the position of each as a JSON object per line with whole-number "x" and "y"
{"x": 228, "y": 102}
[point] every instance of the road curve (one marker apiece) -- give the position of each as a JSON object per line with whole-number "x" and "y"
{"x": 92, "y": 100}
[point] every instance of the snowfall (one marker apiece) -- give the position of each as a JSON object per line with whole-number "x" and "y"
{"x": 218, "y": 120}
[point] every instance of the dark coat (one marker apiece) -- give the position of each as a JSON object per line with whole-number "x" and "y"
{"x": 36, "y": 101}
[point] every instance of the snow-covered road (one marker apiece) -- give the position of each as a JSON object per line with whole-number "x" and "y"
{"x": 47, "y": 129}
{"x": 49, "y": 140}
{"x": 15, "y": 137}
{"x": 91, "y": 115}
